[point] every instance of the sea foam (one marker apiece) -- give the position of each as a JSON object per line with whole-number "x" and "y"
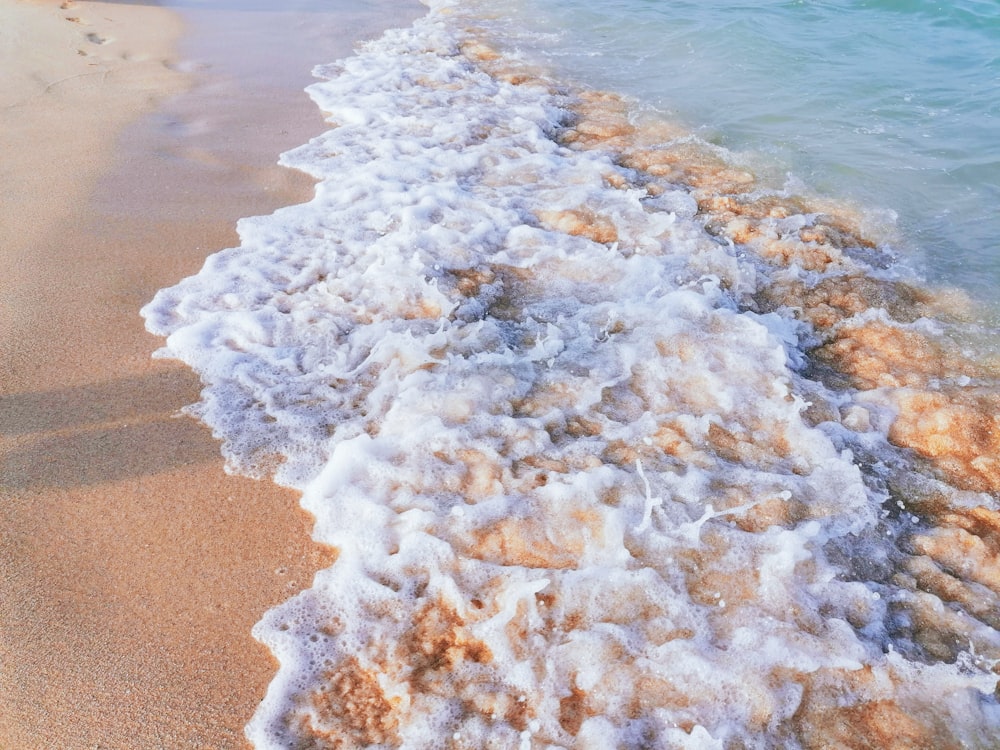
{"x": 563, "y": 391}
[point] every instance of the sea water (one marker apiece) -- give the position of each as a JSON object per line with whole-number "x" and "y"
{"x": 624, "y": 437}
{"x": 893, "y": 104}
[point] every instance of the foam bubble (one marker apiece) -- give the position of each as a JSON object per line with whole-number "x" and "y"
{"x": 608, "y": 439}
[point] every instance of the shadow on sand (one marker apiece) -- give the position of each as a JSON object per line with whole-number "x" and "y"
{"x": 101, "y": 433}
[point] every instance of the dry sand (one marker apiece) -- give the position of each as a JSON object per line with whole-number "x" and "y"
{"x": 131, "y": 566}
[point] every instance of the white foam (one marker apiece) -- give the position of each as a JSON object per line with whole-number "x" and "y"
{"x": 543, "y": 459}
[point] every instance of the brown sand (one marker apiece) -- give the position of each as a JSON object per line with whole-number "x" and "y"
{"x": 131, "y": 566}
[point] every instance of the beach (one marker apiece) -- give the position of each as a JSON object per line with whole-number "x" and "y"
{"x": 576, "y": 424}
{"x": 132, "y": 566}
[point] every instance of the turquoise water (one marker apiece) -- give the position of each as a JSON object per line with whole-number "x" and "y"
{"x": 893, "y": 104}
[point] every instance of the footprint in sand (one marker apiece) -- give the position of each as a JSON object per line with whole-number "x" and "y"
{"x": 92, "y": 37}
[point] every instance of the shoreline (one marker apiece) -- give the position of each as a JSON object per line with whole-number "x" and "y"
{"x": 450, "y": 350}
{"x": 133, "y": 567}
{"x": 131, "y": 564}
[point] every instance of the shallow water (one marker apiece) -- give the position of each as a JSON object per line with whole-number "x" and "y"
{"x": 893, "y": 104}
{"x": 620, "y": 443}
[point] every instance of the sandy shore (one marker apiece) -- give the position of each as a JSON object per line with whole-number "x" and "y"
{"x": 131, "y": 566}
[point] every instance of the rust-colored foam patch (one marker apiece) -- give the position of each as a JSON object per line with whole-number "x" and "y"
{"x": 869, "y": 722}
{"x": 958, "y": 430}
{"x": 581, "y": 223}
{"x": 834, "y": 299}
{"x": 349, "y": 711}
{"x": 966, "y": 545}
{"x": 880, "y": 355}
{"x": 438, "y": 643}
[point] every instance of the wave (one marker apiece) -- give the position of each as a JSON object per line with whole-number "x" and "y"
{"x": 617, "y": 447}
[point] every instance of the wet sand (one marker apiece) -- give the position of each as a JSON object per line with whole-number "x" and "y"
{"x": 132, "y": 567}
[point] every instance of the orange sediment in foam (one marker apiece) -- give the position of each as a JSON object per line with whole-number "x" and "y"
{"x": 953, "y": 426}
{"x": 605, "y": 473}
{"x": 944, "y": 401}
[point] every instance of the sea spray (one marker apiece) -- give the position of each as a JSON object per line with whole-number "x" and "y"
{"x": 563, "y": 389}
